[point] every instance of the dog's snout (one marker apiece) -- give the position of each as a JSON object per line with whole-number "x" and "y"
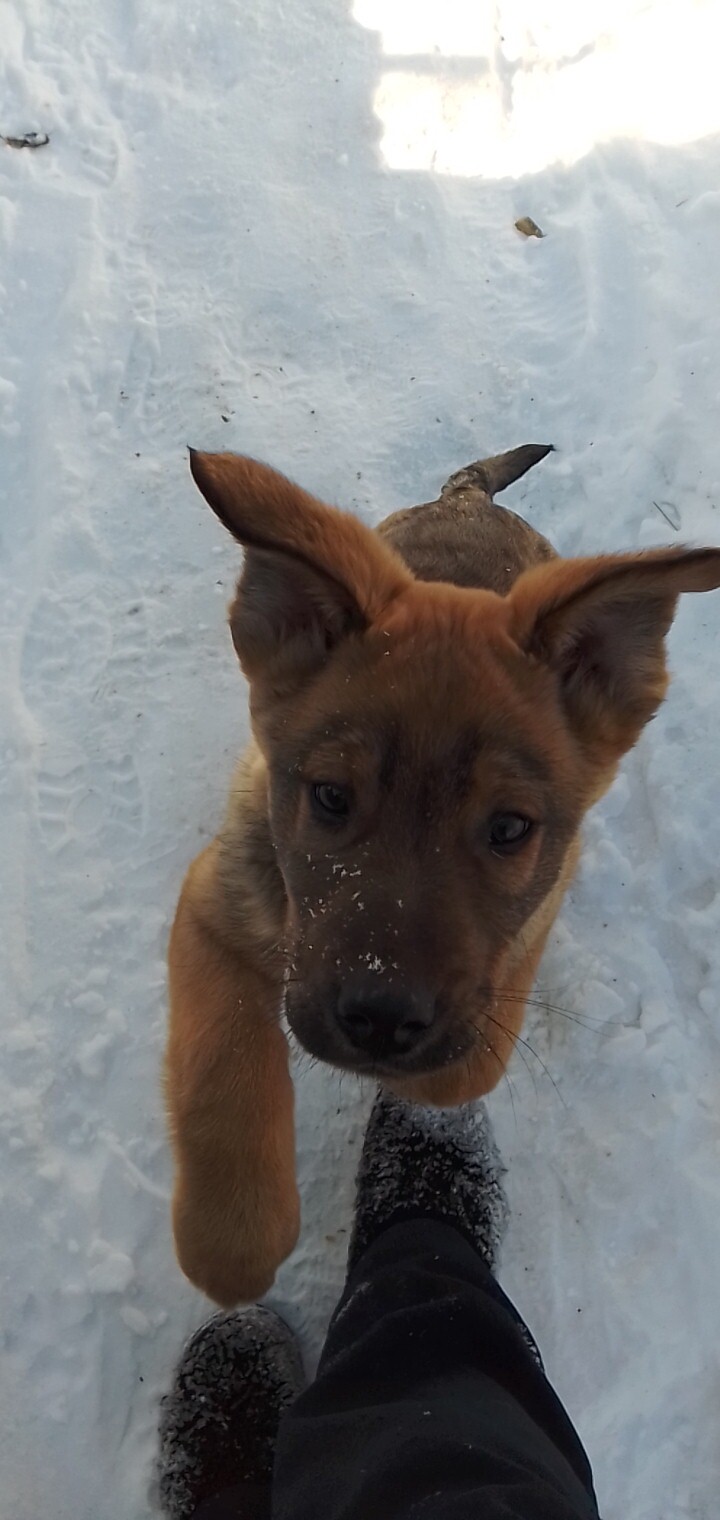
{"x": 382, "y": 1023}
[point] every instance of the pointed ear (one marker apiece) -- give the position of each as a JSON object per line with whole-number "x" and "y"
{"x": 601, "y": 625}
{"x": 312, "y": 575}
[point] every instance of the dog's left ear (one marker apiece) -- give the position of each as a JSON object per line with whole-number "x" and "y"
{"x": 601, "y": 625}
{"x": 312, "y": 575}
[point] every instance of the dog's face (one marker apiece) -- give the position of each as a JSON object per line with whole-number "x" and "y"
{"x": 431, "y": 752}
{"x": 422, "y": 804}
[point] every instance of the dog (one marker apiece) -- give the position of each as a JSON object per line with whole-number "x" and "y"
{"x": 434, "y": 704}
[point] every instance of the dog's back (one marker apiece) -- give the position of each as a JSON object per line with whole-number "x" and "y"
{"x": 463, "y": 537}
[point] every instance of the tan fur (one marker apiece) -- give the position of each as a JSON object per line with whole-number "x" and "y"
{"x": 235, "y": 1207}
{"x": 446, "y": 666}
{"x": 486, "y": 1063}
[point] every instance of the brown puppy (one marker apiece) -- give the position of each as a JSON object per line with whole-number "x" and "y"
{"x": 434, "y": 707}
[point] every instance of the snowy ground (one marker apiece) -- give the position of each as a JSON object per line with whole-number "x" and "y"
{"x": 289, "y": 229}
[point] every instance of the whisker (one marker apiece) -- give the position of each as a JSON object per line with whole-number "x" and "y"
{"x": 512, "y": 1098}
{"x": 523, "y": 1058}
{"x": 504, "y": 1071}
{"x": 512, "y": 996}
{"x": 533, "y": 1052}
{"x": 563, "y": 1013}
{"x": 506, "y": 1076}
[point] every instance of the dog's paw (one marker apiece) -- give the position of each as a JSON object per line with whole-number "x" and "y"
{"x": 233, "y": 1256}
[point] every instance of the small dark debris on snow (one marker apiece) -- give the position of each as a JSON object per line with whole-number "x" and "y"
{"x": 674, "y": 525}
{"x": 28, "y": 140}
{"x": 528, "y": 227}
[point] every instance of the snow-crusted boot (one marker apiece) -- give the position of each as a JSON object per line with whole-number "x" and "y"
{"x": 218, "y": 1423}
{"x": 430, "y": 1163}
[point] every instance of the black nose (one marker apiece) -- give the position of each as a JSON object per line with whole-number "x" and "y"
{"x": 383, "y": 1024}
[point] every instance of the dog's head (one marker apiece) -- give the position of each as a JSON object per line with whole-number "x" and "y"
{"x": 431, "y": 752}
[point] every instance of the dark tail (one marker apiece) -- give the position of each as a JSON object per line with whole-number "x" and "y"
{"x": 494, "y": 474}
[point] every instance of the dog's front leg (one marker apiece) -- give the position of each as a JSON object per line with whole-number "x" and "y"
{"x": 230, "y": 1097}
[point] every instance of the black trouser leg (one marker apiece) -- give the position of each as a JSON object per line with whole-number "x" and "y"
{"x": 429, "y": 1403}
{"x": 248, "y": 1501}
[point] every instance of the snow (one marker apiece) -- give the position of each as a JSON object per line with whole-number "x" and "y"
{"x": 247, "y": 230}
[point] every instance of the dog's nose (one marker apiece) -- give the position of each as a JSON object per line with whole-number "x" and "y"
{"x": 383, "y": 1024}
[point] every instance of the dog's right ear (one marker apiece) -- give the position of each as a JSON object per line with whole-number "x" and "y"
{"x": 312, "y": 574}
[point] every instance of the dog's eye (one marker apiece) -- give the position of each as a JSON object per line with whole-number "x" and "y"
{"x": 330, "y": 800}
{"x": 507, "y": 831}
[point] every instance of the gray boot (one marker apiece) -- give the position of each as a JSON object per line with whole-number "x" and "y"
{"x": 430, "y": 1163}
{"x": 218, "y": 1423}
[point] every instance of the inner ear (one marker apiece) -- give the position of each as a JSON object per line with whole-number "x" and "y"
{"x": 609, "y": 653}
{"x": 312, "y": 574}
{"x": 289, "y": 614}
{"x": 600, "y": 624}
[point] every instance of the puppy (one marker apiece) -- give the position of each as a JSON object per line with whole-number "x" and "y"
{"x": 434, "y": 707}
